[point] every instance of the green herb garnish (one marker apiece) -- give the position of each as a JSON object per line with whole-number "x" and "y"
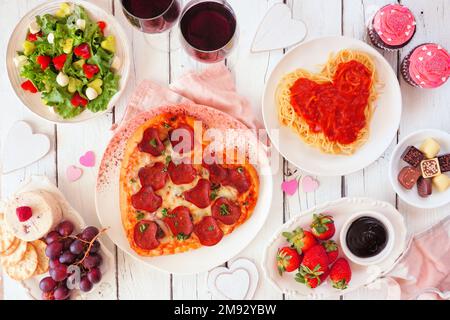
{"x": 140, "y": 215}
{"x": 153, "y": 143}
{"x": 224, "y": 210}
{"x": 181, "y": 236}
{"x": 143, "y": 227}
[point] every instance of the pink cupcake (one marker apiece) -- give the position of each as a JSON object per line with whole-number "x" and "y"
{"x": 392, "y": 27}
{"x": 426, "y": 66}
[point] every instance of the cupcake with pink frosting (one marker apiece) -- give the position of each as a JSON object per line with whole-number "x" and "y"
{"x": 392, "y": 27}
{"x": 426, "y": 66}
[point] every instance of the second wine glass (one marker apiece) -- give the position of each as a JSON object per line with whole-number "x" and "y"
{"x": 209, "y": 30}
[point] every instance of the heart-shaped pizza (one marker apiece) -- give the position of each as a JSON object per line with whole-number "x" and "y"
{"x": 331, "y": 110}
{"x": 176, "y": 193}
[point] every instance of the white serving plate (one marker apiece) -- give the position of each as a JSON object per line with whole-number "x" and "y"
{"x": 312, "y": 55}
{"x": 341, "y": 210}
{"x": 436, "y": 199}
{"x": 33, "y": 101}
{"x": 102, "y": 290}
{"x": 194, "y": 261}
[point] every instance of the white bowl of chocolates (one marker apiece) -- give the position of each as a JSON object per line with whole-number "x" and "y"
{"x": 420, "y": 169}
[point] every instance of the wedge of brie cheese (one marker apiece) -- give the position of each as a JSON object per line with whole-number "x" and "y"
{"x": 45, "y": 214}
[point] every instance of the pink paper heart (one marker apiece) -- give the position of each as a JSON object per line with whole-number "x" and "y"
{"x": 73, "y": 173}
{"x": 290, "y": 187}
{"x": 88, "y": 160}
{"x": 309, "y": 184}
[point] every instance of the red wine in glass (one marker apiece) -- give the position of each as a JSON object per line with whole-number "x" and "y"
{"x": 208, "y": 30}
{"x": 152, "y": 16}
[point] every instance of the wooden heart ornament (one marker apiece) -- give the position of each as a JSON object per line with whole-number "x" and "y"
{"x": 278, "y": 30}
{"x": 22, "y": 147}
{"x": 237, "y": 282}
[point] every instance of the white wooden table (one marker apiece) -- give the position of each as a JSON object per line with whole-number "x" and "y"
{"x": 134, "y": 280}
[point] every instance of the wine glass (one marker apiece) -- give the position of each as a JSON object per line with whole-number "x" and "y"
{"x": 209, "y": 30}
{"x": 152, "y": 16}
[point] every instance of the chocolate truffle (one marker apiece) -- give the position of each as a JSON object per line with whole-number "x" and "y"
{"x": 408, "y": 177}
{"x": 413, "y": 156}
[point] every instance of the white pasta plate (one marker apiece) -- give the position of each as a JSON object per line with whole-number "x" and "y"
{"x": 311, "y": 55}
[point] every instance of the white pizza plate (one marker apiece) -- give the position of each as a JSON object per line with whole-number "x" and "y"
{"x": 194, "y": 261}
{"x": 341, "y": 210}
{"x": 436, "y": 199}
{"x": 312, "y": 55}
{"x": 102, "y": 290}
{"x": 33, "y": 101}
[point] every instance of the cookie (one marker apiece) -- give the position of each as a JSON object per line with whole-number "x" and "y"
{"x": 6, "y": 236}
{"x": 16, "y": 256}
{"x": 25, "y": 268}
{"x": 43, "y": 261}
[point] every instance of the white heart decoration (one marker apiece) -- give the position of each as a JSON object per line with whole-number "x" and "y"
{"x": 234, "y": 285}
{"x": 22, "y": 147}
{"x": 237, "y": 282}
{"x": 278, "y": 30}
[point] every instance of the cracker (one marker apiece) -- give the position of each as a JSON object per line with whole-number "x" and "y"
{"x": 16, "y": 256}
{"x": 43, "y": 260}
{"x": 6, "y": 236}
{"x": 25, "y": 268}
{"x": 11, "y": 249}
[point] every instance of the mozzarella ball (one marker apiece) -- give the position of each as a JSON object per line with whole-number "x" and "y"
{"x": 62, "y": 79}
{"x": 91, "y": 94}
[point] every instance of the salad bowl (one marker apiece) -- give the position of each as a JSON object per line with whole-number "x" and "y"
{"x": 34, "y": 101}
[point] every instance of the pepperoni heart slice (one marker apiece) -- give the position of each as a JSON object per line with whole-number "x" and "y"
{"x": 181, "y": 173}
{"x": 146, "y": 199}
{"x": 226, "y": 211}
{"x": 199, "y": 195}
{"x": 182, "y": 138}
{"x": 237, "y": 178}
{"x": 217, "y": 173}
{"x": 145, "y": 235}
{"x": 180, "y": 222}
{"x": 151, "y": 143}
{"x": 154, "y": 176}
{"x": 208, "y": 231}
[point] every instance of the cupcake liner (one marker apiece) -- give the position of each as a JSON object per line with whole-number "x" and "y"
{"x": 378, "y": 42}
{"x": 404, "y": 68}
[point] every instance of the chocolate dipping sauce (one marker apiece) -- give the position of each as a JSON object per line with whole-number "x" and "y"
{"x": 366, "y": 237}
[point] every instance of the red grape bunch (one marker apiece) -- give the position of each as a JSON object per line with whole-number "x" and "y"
{"x": 65, "y": 250}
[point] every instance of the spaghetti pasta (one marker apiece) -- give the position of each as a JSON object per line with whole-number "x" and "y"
{"x": 331, "y": 110}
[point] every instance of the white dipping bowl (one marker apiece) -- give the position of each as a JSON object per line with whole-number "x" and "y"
{"x": 379, "y": 257}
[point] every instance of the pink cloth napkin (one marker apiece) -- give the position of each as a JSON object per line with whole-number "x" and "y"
{"x": 213, "y": 87}
{"x": 424, "y": 271}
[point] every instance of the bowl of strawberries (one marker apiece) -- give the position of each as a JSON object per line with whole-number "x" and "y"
{"x": 308, "y": 256}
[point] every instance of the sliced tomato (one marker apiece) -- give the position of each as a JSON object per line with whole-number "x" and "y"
{"x": 43, "y": 61}
{"x": 78, "y": 100}
{"x": 29, "y": 86}
{"x": 59, "y": 61}
{"x": 82, "y": 51}
{"x": 90, "y": 70}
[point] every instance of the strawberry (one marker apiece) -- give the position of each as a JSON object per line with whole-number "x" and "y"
{"x": 323, "y": 226}
{"x": 78, "y": 100}
{"x": 300, "y": 239}
{"x": 101, "y": 25}
{"x": 59, "y": 61}
{"x": 82, "y": 51}
{"x": 340, "y": 274}
{"x": 29, "y": 86}
{"x": 288, "y": 260}
{"x": 43, "y": 61}
{"x": 90, "y": 70}
{"x": 314, "y": 268}
{"x": 332, "y": 250}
